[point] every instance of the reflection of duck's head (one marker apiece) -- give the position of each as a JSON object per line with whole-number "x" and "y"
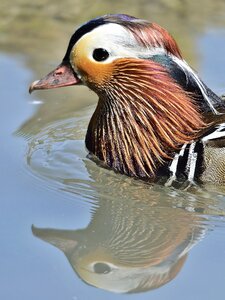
{"x": 151, "y": 102}
{"x": 129, "y": 246}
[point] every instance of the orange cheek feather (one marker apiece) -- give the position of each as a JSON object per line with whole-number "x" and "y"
{"x": 93, "y": 72}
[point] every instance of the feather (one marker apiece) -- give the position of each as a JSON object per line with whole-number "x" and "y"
{"x": 146, "y": 117}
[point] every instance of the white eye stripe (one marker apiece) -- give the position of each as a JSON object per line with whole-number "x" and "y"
{"x": 118, "y": 41}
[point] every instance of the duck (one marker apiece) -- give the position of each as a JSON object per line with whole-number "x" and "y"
{"x": 155, "y": 119}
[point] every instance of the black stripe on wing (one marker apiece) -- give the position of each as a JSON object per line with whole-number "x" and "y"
{"x": 187, "y": 165}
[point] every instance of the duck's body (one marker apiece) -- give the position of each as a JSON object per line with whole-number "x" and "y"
{"x": 155, "y": 118}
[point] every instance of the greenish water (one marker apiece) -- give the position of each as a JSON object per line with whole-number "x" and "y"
{"x": 69, "y": 228}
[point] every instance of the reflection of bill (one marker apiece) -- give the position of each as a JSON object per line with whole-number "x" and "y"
{"x": 129, "y": 245}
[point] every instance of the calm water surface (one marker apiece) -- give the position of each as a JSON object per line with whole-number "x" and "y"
{"x": 71, "y": 229}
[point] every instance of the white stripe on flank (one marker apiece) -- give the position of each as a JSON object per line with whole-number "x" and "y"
{"x": 173, "y": 166}
{"x": 216, "y": 134}
{"x": 191, "y": 163}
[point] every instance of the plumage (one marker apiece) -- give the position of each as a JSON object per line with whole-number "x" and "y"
{"x": 155, "y": 118}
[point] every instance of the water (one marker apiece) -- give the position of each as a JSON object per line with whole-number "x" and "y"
{"x": 71, "y": 229}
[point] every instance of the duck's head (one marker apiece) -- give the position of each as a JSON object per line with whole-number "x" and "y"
{"x": 97, "y": 46}
{"x": 144, "y": 112}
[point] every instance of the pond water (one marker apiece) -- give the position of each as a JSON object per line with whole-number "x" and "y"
{"x": 69, "y": 228}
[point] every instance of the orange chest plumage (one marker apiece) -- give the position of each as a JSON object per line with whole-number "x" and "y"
{"x": 142, "y": 118}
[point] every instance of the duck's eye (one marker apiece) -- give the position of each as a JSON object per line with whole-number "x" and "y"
{"x": 100, "y": 54}
{"x": 102, "y": 268}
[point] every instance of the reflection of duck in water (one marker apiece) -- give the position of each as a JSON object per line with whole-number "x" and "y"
{"x": 130, "y": 245}
{"x": 139, "y": 234}
{"x": 155, "y": 117}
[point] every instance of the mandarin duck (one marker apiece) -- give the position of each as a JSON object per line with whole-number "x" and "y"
{"x": 155, "y": 119}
